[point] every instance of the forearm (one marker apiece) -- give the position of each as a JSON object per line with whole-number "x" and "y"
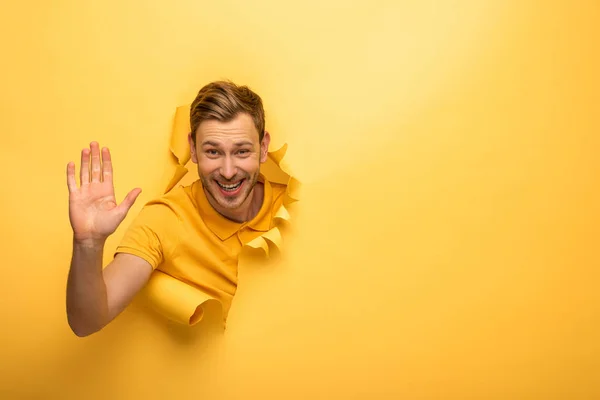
{"x": 87, "y": 305}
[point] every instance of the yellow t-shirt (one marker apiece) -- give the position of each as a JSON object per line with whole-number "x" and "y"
{"x": 182, "y": 235}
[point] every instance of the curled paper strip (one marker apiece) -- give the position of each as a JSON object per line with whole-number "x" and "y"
{"x": 269, "y": 240}
{"x": 178, "y": 300}
{"x": 179, "y": 146}
{"x": 175, "y": 299}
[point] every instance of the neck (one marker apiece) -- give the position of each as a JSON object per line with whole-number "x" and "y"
{"x": 248, "y": 210}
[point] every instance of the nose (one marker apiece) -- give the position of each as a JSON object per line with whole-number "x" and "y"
{"x": 228, "y": 168}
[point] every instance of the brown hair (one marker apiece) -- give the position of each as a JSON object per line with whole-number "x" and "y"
{"x": 223, "y": 101}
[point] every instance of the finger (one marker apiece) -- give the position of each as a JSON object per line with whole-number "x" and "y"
{"x": 84, "y": 174}
{"x": 107, "y": 171}
{"x": 129, "y": 200}
{"x": 96, "y": 166}
{"x": 71, "y": 184}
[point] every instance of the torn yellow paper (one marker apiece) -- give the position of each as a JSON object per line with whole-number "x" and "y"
{"x": 184, "y": 302}
{"x": 179, "y": 145}
{"x": 271, "y": 239}
{"x": 175, "y": 299}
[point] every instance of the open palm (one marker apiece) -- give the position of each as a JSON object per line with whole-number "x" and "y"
{"x": 93, "y": 209}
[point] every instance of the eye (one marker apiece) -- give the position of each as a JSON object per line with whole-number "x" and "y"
{"x": 243, "y": 152}
{"x": 211, "y": 152}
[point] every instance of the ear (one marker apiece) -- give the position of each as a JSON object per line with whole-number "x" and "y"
{"x": 192, "y": 148}
{"x": 264, "y": 147}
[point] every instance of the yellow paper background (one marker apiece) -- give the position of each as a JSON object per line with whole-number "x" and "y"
{"x": 446, "y": 246}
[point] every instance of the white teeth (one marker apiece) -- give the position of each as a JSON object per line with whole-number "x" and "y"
{"x": 230, "y": 188}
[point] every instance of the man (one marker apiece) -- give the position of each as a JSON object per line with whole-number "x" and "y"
{"x": 193, "y": 233}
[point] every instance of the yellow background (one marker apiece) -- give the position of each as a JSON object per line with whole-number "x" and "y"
{"x": 447, "y": 246}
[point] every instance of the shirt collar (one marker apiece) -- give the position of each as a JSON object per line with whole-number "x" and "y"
{"x": 225, "y": 228}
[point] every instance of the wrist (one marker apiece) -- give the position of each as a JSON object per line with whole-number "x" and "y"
{"x": 87, "y": 242}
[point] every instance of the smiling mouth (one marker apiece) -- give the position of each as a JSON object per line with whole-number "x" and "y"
{"x": 230, "y": 188}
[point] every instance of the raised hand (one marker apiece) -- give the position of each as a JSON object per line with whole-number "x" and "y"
{"x": 93, "y": 209}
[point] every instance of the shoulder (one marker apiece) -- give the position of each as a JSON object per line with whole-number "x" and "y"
{"x": 176, "y": 199}
{"x": 167, "y": 208}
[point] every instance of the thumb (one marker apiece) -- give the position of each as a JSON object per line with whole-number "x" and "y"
{"x": 128, "y": 201}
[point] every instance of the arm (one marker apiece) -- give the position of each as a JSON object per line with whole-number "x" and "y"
{"x": 87, "y": 304}
{"x": 95, "y": 297}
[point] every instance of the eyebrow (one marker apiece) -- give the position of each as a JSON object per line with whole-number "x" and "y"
{"x": 215, "y": 144}
{"x": 244, "y": 143}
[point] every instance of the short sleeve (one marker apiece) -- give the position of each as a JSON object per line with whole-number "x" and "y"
{"x": 150, "y": 235}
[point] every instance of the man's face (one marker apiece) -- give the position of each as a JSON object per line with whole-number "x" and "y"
{"x": 229, "y": 155}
